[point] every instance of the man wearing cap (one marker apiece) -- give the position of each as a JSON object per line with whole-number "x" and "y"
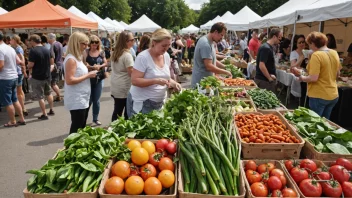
{"x": 8, "y": 83}
{"x": 56, "y": 74}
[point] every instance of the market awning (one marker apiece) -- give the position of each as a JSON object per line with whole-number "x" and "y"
{"x": 240, "y": 20}
{"x": 143, "y": 24}
{"x": 41, "y": 14}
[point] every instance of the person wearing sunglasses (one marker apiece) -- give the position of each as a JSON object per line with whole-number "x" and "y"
{"x": 94, "y": 59}
{"x": 297, "y": 57}
{"x": 121, "y": 65}
{"x": 77, "y": 84}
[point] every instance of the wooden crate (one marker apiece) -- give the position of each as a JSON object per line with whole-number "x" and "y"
{"x": 186, "y": 70}
{"x": 170, "y": 193}
{"x": 290, "y": 183}
{"x": 270, "y": 150}
{"x": 248, "y": 97}
{"x": 319, "y": 165}
{"x": 182, "y": 194}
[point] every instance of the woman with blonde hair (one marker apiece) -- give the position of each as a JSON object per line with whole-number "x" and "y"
{"x": 323, "y": 70}
{"x": 94, "y": 59}
{"x": 17, "y": 44}
{"x": 121, "y": 65}
{"x": 77, "y": 83}
{"x": 151, "y": 76}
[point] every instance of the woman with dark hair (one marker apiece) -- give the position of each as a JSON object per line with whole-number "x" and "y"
{"x": 331, "y": 41}
{"x": 297, "y": 57}
{"x": 144, "y": 43}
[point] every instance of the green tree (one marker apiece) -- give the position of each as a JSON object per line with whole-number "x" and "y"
{"x": 116, "y": 9}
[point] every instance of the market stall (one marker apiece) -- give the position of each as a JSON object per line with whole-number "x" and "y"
{"x": 240, "y": 20}
{"x": 80, "y": 14}
{"x": 108, "y": 27}
{"x": 117, "y": 25}
{"x": 122, "y": 23}
{"x": 143, "y": 24}
{"x": 190, "y": 29}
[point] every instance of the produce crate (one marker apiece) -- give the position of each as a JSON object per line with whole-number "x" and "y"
{"x": 248, "y": 97}
{"x": 250, "y": 102}
{"x": 65, "y": 195}
{"x": 183, "y": 194}
{"x": 280, "y": 108}
{"x": 186, "y": 70}
{"x": 290, "y": 183}
{"x": 170, "y": 193}
{"x": 319, "y": 165}
{"x": 308, "y": 151}
{"x": 272, "y": 150}
{"x": 241, "y": 86}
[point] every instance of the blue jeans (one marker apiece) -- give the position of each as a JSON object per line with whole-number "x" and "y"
{"x": 8, "y": 92}
{"x": 322, "y": 107}
{"x": 148, "y": 106}
{"x": 96, "y": 90}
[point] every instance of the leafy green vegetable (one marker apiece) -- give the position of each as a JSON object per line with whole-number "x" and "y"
{"x": 319, "y": 132}
{"x": 264, "y": 99}
{"x": 154, "y": 125}
{"x": 235, "y": 71}
{"x": 210, "y": 81}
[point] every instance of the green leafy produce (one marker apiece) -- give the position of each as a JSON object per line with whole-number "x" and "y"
{"x": 235, "y": 71}
{"x": 153, "y": 125}
{"x": 264, "y": 99}
{"x": 210, "y": 81}
{"x": 325, "y": 137}
{"x": 80, "y": 167}
{"x": 227, "y": 61}
{"x": 233, "y": 93}
{"x": 242, "y": 106}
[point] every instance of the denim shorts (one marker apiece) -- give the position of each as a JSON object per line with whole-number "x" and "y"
{"x": 8, "y": 94}
{"x": 148, "y": 106}
{"x": 20, "y": 80}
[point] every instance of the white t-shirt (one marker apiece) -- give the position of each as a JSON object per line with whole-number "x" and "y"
{"x": 295, "y": 56}
{"x": 120, "y": 80}
{"x": 145, "y": 63}
{"x": 8, "y": 55}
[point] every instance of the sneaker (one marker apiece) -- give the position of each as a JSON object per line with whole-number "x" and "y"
{"x": 97, "y": 122}
{"x": 51, "y": 112}
{"x": 43, "y": 117}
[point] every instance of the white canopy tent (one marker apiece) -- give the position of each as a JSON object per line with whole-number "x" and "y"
{"x": 143, "y": 24}
{"x": 117, "y": 25}
{"x": 190, "y": 29}
{"x": 3, "y": 11}
{"x": 123, "y": 24}
{"x": 227, "y": 17}
{"x": 108, "y": 27}
{"x": 206, "y": 25}
{"x": 79, "y": 13}
{"x": 240, "y": 21}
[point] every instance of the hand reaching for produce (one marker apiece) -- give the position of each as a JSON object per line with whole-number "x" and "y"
{"x": 175, "y": 86}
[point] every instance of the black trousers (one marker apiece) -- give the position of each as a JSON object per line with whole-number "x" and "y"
{"x": 78, "y": 119}
{"x": 119, "y": 106}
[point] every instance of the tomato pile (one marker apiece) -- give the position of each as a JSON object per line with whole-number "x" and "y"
{"x": 266, "y": 179}
{"x": 314, "y": 181}
{"x": 151, "y": 170}
{"x": 268, "y": 128}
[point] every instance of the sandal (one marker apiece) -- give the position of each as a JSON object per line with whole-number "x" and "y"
{"x": 21, "y": 123}
{"x": 10, "y": 125}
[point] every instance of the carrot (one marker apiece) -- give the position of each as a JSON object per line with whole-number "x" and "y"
{"x": 278, "y": 137}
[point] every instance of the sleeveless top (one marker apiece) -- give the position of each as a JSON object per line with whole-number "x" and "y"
{"x": 99, "y": 60}
{"x": 77, "y": 96}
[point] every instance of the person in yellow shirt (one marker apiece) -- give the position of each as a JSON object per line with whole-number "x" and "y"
{"x": 323, "y": 70}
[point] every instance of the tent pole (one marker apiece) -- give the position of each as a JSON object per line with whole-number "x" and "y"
{"x": 294, "y": 31}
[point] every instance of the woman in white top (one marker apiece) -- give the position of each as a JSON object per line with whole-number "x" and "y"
{"x": 121, "y": 65}
{"x": 297, "y": 56}
{"x": 77, "y": 83}
{"x": 151, "y": 76}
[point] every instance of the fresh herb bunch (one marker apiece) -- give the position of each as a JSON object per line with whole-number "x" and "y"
{"x": 153, "y": 125}
{"x": 264, "y": 99}
{"x": 210, "y": 81}
{"x": 235, "y": 71}
{"x": 79, "y": 167}
{"x": 318, "y": 131}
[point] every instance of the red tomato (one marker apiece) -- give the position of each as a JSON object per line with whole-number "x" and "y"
{"x": 347, "y": 189}
{"x": 332, "y": 188}
{"x": 154, "y": 158}
{"x": 265, "y": 177}
{"x": 283, "y": 180}
{"x": 259, "y": 189}
{"x": 253, "y": 176}
{"x": 288, "y": 192}
{"x": 266, "y": 167}
{"x": 161, "y": 144}
{"x": 171, "y": 148}
{"x": 134, "y": 170}
{"x": 339, "y": 173}
{"x": 270, "y": 166}
{"x": 322, "y": 175}
{"x": 345, "y": 163}
{"x": 298, "y": 174}
{"x": 309, "y": 165}
{"x": 274, "y": 183}
{"x": 250, "y": 165}
{"x": 147, "y": 171}
{"x": 276, "y": 172}
{"x": 276, "y": 193}
{"x": 289, "y": 164}
{"x": 310, "y": 188}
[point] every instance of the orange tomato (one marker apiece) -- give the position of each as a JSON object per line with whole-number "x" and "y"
{"x": 167, "y": 178}
{"x": 149, "y": 146}
{"x": 166, "y": 164}
{"x": 152, "y": 186}
{"x": 140, "y": 156}
{"x": 147, "y": 171}
{"x": 134, "y": 185}
{"x": 134, "y": 144}
{"x": 121, "y": 169}
{"x": 114, "y": 185}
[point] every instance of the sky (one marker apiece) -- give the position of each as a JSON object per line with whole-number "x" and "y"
{"x": 195, "y": 4}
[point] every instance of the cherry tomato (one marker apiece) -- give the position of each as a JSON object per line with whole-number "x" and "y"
{"x": 253, "y": 176}
{"x": 322, "y": 175}
{"x": 250, "y": 165}
{"x": 299, "y": 174}
{"x": 347, "y": 189}
{"x": 276, "y": 193}
{"x": 332, "y": 188}
{"x": 283, "y": 180}
{"x": 134, "y": 170}
{"x": 154, "y": 158}
{"x": 171, "y": 148}
{"x": 288, "y": 192}
{"x": 274, "y": 183}
{"x": 276, "y": 172}
{"x": 309, "y": 165}
{"x": 259, "y": 189}
{"x": 289, "y": 164}
{"x": 161, "y": 144}
{"x": 265, "y": 177}
{"x": 266, "y": 167}
{"x": 345, "y": 163}
{"x": 310, "y": 188}
{"x": 339, "y": 173}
